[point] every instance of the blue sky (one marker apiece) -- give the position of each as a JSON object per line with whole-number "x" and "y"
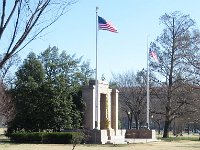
{"x": 125, "y": 51}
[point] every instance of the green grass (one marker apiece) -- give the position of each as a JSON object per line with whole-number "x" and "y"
{"x": 191, "y": 137}
{"x": 180, "y": 139}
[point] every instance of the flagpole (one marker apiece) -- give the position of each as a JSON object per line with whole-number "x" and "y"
{"x": 147, "y": 84}
{"x": 96, "y": 81}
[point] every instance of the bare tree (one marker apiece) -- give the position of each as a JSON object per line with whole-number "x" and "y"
{"x": 21, "y": 21}
{"x": 177, "y": 44}
{"x": 132, "y": 95}
{"x": 7, "y": 110}
{"x": 7, "y": 71}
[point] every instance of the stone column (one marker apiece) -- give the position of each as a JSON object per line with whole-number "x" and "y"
{"x": 98, "y": 110}
{"x": 89, "y": 113}
{"x": 114, "y": 110}
{"x": 109, "y": 108}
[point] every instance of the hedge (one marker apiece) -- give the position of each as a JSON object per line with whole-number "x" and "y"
{"x": 46, "y": 137}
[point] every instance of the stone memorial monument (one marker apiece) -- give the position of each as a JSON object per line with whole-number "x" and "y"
{"x": 101, "y": 113}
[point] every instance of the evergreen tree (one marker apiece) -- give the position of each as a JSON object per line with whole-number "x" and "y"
{"x": 27, "y": 96}
{"x": 65, "y": 75}
{"x": 47, "y": 93}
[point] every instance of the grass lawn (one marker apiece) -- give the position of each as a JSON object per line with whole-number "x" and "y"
{"x": 163, "y": 145}
{"x": 185, "y": 142}
{"x": 2, "y": 130}
{"x": 2, "y": 137}
{"x": 185, "y": 136}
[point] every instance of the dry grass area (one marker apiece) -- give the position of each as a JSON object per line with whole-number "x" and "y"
{"x": 178, "y": 145}
{"x": 2, "y": 130}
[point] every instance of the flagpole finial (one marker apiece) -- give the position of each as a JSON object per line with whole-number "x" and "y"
{"x": 97, "y": 8}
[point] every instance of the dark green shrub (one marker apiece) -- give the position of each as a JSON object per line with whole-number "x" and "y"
{"x": 58, "y": 138}
{"x": 45, "y": 137}
{"x": 24, "y": 137}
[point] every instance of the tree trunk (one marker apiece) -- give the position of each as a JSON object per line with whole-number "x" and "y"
{"x": 159, "y": 129}
{"x": 131, "y": 121}
{"x": 137, "y": 124}
{"x": 158, "y": 123}
{"x": 166, "y": 128}
{"x": 169, "y": 91}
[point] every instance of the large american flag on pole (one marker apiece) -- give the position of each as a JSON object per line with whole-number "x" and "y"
{"x": 106, "y": 25}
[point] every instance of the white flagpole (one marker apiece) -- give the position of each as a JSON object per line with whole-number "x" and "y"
{"x": 147, "y": 84}
{"x": 96, "y": 81}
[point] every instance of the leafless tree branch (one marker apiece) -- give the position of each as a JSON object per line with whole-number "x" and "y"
{"x": 31, "y": 18}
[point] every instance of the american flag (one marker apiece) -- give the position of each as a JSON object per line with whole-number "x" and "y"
{"x": 105, "y": 25}
{"x": 153, "y": 54}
